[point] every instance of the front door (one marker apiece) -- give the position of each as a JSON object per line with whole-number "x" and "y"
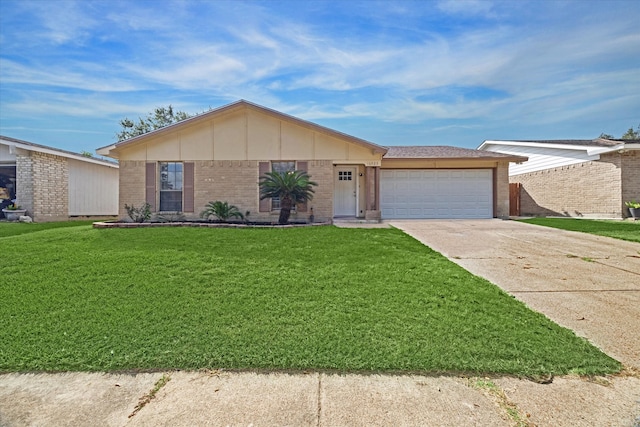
{"x": 344, "y": 196}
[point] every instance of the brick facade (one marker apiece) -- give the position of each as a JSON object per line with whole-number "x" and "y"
{"x": 232, "y": 181}
{"x": 132, "y": 185}
{"x": 501, "y": 179}
{"x": 592, "y": 189}
{"x": 43, "y": 186}
{"x": 24, "y": 182}
{"x": 321, "y": 172}
{"x": 630, "y": 165}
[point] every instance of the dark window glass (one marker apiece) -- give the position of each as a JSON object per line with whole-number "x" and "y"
{"x": 170, "y": 186}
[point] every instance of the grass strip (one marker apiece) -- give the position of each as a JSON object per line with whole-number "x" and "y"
{"x": 17, "y": 228}
{"x": 623, "y": 230}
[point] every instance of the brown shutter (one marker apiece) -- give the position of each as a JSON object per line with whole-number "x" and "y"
{"x": 265, "y": 204}
{"x": 150, "y": 185}
{"x": 302, "y": 166}
{"x": 187, "y": 191}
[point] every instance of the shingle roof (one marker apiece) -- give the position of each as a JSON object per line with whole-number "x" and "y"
{"x": 440, "y": 152}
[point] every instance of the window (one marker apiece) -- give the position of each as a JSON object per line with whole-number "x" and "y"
{"x": 170, "y": 187}
{"x": 344, "y": 176}
{"x": 281, "y": 167}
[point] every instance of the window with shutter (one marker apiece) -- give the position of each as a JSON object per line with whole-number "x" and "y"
{"x": 171, "y": 182}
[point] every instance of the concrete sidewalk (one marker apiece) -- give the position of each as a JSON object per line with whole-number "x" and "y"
{"x": 314, "y": 399}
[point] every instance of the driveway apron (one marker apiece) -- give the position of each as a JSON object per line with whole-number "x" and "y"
{"x": 587, "y": 283}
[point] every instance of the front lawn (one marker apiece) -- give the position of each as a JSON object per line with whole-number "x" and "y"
{"x": 78, "y": 298}
{"x": 624, "y": 230}
{"x": 17, "y": 228}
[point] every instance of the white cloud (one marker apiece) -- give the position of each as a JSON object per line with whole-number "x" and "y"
{"x": 83, "y": 77}
{"x": 64, "y": 21}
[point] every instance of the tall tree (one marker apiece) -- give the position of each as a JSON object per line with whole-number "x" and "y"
{"x": 291, "y": 187}
{"x": 161, "y": 117}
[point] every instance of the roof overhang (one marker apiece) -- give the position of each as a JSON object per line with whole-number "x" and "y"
{"x": 589, "y": 149}
{"x": 16, "y": 144}
{"x": 503, "y": 158}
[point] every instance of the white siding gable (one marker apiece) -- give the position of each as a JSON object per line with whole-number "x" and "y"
{"x": 541, "y": 158}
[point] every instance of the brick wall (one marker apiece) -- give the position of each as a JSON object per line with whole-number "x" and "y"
{"x": 630, "y": 177}
{"x": 589, "y": 189}
{"x": 235, "y": 182}
{"x": 43, "y": 186}
{"x": 502, "y": 190}
{"x": 321, "y": 172}
{"x": 132, "y": 185}
{"x": 24, "y": 182}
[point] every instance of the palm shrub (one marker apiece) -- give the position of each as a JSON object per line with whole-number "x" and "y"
{"x": 221, "y": 210}
{"x": 290, "y": 187}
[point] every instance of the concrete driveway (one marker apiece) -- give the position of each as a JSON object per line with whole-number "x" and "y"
{"x": 587, "y": 283}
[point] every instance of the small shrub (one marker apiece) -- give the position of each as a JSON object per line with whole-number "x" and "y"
{"x": 141, "y": 214}
{"x": 223, "y": 211}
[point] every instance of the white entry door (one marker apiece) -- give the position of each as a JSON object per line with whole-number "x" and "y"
{"x": 344, "y": 195}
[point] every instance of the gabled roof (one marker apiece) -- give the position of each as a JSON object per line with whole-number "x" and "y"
{"x": 30, "y": 146}
{"x": 236, "y": 106}
{"x": 591, "y": 146}
{"x": 446, "y": 152}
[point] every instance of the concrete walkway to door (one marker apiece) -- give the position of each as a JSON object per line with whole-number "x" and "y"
{"x": 587, "y": 283}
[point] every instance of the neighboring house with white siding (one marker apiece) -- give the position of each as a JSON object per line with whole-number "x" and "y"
{"x": 53, "y": 184}
{"x": 578, "y": 178}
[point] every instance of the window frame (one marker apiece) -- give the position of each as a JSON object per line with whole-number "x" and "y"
{"x": 172, "y": 182}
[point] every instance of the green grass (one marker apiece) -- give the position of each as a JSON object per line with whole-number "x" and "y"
{"x": 17, "y": 228}
{"x": 624, "y": 230}
{"x": 78, "y": 298}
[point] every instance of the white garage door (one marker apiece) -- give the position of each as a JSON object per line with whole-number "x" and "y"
{"x": 436, "y": 193}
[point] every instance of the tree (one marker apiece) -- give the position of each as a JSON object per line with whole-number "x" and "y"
{"x": 221, "y": 210}
{"x": 632, "y": 134}
{"x": 290, "y": 187}
{"x": 161, "y": 117}
{"x": 629, "y": 134}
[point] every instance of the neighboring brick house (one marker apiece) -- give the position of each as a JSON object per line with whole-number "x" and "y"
{"x": 55, "y": 185}
{"x": 220, "y": 155}
{"x": 577, "y": 178}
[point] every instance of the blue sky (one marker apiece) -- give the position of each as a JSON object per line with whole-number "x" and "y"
{"x": 391, "y": 72}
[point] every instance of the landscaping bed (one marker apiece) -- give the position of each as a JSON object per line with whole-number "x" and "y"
{"x": 208, "y": 224}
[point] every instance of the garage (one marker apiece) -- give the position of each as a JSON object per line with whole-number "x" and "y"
{"x": 436, "y": 193}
